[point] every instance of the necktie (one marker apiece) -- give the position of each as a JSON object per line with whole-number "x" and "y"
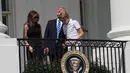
{"x": 58, "y": 28}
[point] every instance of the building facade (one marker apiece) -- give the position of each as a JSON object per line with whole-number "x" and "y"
{"x": 103, "y": 19}
{"x": 90, "y": 13}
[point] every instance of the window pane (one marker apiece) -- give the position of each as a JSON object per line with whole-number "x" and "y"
{"x": 5, "y": 5}
{"x": 5, "y": 21}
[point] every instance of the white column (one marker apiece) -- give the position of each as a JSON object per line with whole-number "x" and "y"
{"x": 120, "y": 22}
{"x": 3, "y": 28}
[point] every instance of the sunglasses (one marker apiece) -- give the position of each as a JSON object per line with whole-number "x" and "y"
{"x": 36, "y": 17}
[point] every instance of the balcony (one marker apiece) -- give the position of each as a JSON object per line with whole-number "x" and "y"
{"x": 104, "y": 56}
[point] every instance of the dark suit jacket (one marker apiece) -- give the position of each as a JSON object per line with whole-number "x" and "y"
{"x": 51, "y": 30}
{"x": 51, "y": 33}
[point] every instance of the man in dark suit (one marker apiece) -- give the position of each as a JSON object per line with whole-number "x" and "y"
{"x": 53, "y": 31}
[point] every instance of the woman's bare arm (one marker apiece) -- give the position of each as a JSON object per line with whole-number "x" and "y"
{"x": 25, "y": 36}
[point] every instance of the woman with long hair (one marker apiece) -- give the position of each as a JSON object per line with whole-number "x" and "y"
{"x": 32, "y": 30}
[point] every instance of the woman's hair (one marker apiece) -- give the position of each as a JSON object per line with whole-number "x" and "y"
{"x": 30, "y": 15}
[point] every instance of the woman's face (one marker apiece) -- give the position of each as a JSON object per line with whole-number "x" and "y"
{"x": 35, "y": 18}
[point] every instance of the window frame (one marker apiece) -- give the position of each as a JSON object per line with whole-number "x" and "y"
{"x": 11, "y": 31}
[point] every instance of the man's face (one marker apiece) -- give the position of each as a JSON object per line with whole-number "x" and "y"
{"x": 61, "y": 13}
{"x": 60, "y": 10}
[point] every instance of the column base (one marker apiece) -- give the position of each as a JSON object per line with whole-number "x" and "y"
{"x": 3, "y": 29}
{"x": 120, "y": 33}
{"x": 9, "y": 55}
{"x": 2, "y": 35}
